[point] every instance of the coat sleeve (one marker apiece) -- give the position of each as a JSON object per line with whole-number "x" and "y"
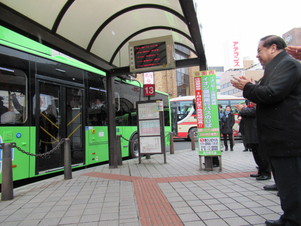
{"x": 248, "y": 112}
{"x": 282, "y": 81}
{"x": 232, "y": 120}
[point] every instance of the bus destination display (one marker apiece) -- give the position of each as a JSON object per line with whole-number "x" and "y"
{"x": 150, "y": 55}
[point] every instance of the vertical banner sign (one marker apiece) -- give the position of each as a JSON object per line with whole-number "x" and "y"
{"x": 199, "y": 102}
{"x": 236, "y": 55}
{"x": 207, "y": 113}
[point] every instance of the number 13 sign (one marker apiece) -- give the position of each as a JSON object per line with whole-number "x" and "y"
{"x": 149, "y": 89}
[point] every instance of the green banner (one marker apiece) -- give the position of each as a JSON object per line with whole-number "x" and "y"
{"x": 207, "y": 113}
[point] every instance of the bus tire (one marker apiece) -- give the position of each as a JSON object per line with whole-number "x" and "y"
{"x": 134, "y": 146}
{"x": 193, "y": 132}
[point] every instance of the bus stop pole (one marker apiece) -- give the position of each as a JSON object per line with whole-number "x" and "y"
{"x": 118, "y": 149}
{"x": 193, "y": 143}
{"x": 7, "y": 173}
{"x": 111, "y": 121}
{"x": 171, "y": 143}
{"x": 67, "y": 160}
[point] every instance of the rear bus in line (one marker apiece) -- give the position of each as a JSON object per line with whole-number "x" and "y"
{"x": 184, "y": 115}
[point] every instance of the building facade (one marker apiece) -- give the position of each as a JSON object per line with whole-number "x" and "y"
{"x": 293, "y": 37}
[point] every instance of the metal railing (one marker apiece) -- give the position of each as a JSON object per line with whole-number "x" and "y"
{"x": 7, "y": 172}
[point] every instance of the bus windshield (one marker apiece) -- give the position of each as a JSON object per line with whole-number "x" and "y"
{"x": 184, "y": 109}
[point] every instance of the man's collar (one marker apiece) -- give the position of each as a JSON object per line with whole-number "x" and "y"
{"x": 277, "y": 58}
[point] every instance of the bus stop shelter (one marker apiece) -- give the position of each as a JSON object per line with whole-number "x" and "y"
{"x": 97, "y": 32}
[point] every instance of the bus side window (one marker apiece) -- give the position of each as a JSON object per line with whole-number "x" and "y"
{"x": 13, "y": 106}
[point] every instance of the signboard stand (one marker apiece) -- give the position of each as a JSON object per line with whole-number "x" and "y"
{"x": 208, "y": 162}
{"x": 151, "y": 128}
{"x": 207, "y": 119}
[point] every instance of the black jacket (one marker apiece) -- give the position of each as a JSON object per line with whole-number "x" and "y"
{"x": 278, "y": 98}
{"x": 227, "y": 123}
{"x": 250, "y": 125}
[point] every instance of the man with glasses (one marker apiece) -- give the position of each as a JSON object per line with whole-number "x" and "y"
{"x": 278, "y": 99}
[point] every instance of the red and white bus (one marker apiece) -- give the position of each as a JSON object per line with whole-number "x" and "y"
{"x": 184, "y": 115}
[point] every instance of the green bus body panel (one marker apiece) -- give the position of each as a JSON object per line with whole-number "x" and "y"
{"x": 97, "y": 148}
{"x": 20, "y": 42}
{"x": 96, "y": 144}
{"x": 32, "y": 166}
{"x": 126, "y": 132}
{"x": 20, "y": 161}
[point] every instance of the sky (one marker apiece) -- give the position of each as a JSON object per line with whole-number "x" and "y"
{"x": 246, "y": 21}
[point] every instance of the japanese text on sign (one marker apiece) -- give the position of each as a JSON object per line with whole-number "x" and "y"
{"x": 199, "y": 102}
{"x": 236, "y": 57}
{"x": 207, "y": 113}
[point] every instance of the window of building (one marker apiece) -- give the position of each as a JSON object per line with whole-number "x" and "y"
{"x": 182, "y": 74}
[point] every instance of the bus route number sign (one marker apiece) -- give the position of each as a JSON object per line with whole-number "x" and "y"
{"x": 149, "y": 89}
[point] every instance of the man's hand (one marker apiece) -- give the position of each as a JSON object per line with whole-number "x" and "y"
{"x": 295, "y": 51}
{"x": 239, "y": 106}
{"x": 240, "y": 82}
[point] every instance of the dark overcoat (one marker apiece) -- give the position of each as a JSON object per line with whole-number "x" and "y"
{"x": 278, "y": 98}
{"x": 250, "y": 125}
{"x": 227, "y": 123}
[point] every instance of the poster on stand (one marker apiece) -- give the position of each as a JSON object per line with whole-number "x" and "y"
{"x": 151, "y": 127}
{"x": 207, "y": 113}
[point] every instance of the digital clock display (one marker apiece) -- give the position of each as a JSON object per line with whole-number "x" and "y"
{"x": 150, "y": 55}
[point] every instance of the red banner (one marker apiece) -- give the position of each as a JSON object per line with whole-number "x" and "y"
{"x": 199, "y": 102}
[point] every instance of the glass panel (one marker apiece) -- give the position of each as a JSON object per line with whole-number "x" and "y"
{"x": 126, "y": 97}
{"x": 49, "y": 126}
{"x": 97, "y": 109}
{"x": 13, "y": 106}
{"x": 184, "y": 108}
{"x": 49, "y": 118}
{"x": 74, "y": 123}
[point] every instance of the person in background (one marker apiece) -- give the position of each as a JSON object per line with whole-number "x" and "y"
{"x": 220, "y": 111}
{"x": 227, "y": 122}
{"x": 220, "y": 115}
{"x": 250, "y": 135}
{"x": 3, "y": 109}
{"x": 278, "y": 99}
{"x": 242, "y": 127}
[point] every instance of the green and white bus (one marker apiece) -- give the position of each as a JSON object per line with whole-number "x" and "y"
{"x": 46, "y": 96}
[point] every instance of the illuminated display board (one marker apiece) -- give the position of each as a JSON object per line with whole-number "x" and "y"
{"x": 152, "y": 54}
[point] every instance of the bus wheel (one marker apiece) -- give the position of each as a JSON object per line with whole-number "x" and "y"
{"x": 193, "y": 132}
{"x": 134, "y": 146}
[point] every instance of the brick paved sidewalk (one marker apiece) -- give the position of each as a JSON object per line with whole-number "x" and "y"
{"x": 151, "y": 193}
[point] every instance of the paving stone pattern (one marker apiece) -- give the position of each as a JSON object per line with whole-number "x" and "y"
{"x": 150, "y": 193}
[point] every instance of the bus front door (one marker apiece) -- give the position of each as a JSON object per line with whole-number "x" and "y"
{"x": 60, "y": 115}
